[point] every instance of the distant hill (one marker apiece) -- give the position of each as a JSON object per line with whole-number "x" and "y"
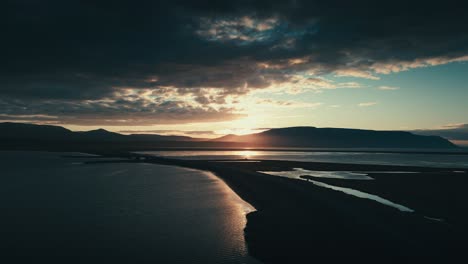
{"x": 20, "y": 131}
{"x": 337, "y": 138}
{"x": 143, "y": 137}
{"x": 229, "y": 138}
{"x": 30, "y": 131}
{"x": 29, "y": 136}
{"x": 98, "y": 135}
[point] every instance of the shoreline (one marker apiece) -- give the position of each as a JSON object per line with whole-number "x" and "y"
{"x": 294, "y": 217}
{"x": 56, "y": 208}
{"x": 111, "y": 149}
{"x": 456, "y": 151}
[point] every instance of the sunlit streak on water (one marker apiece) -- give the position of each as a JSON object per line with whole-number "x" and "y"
{"x": 364, "y": 195}
{"x": 349, "y": 191}
{"x": 297, "y": 172}
{"x": 242, "y": 205}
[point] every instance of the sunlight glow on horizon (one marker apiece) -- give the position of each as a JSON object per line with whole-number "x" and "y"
{"x": 244, "y": 126}
{"x": 247, "y": 154}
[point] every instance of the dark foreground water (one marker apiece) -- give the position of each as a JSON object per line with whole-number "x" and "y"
{"x": 57, "y": 210}
{"x": 407, "y": 159}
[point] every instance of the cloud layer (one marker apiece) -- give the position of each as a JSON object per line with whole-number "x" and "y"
{"x": 160, "y": 62}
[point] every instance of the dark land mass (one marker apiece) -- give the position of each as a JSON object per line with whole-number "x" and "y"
{"x": 299, "y": 222}
{"x": 17, "y": 136}
{"x": 49, "y": 134}
{"x": 338, "y": 138}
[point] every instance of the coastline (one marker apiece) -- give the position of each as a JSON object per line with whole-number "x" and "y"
{"x": 295, "y": 218}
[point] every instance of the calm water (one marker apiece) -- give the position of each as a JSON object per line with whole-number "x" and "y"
{"x": 67, "y": 211}
{"x": 425, "y": 160}
{"x": 298, "y": 173}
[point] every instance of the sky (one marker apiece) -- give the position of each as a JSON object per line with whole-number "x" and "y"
{"x": 209, "y": 68}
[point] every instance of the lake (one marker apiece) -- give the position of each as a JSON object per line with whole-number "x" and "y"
{"x": 60, "y": 210}
{"x": 428, "y": 159}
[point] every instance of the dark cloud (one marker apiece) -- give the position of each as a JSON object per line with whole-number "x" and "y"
{"x": 126, "y": 111}
{"x": 57, "y": 56}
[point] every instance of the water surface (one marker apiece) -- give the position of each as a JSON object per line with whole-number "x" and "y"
{"x": 296, "y": 173}
{"x": 406, "y": 159}
{"x": 363, "y": 195}
{"x": 299, "y": 173}
{"x": 61, "y": 210}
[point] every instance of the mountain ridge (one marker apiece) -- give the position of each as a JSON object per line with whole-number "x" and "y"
{"x": 301, "y": 136}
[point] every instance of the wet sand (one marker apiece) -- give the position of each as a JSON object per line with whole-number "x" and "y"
{"x": 299, "y": 222}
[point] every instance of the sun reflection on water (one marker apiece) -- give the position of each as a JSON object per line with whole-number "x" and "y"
{"x": 247, "y": 154}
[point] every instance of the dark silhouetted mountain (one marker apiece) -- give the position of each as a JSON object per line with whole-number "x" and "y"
{"x": 20, "y": 131}
{"x": 227, "y": 138}
{"x": 99, "y": 135}
{"x": 143, "y": 137}
{"x": 30, "y": 131}
{"x": 338, "y": 138}
{"x": 24, "y": 136}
